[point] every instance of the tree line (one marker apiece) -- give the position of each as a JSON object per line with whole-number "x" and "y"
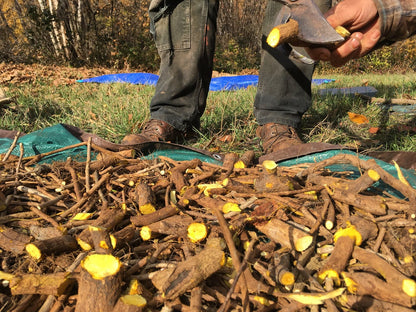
{"x": 115, "y": 33}
{"x": 111, "y": 33}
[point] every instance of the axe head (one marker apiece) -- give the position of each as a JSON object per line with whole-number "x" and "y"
{"x": 313, "y": 27}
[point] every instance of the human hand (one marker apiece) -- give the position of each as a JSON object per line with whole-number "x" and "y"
{"x": 361, "y": 18}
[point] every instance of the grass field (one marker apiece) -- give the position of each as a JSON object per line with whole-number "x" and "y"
{"x": 112, "y": 110}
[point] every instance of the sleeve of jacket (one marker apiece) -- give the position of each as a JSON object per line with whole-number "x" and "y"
{"x": 398, "y": 18}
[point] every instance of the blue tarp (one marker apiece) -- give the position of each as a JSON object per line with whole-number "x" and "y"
{"x": 225, "y": 83}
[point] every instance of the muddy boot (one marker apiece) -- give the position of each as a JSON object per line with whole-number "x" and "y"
{"x": 276, "y": 137}
{"x": 154, "y": 130}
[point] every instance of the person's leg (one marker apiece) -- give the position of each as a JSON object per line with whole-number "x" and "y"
{"x": 184, "y": 33}
{"x": 284, "y": 88}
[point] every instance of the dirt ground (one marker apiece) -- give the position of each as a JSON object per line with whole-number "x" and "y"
{"x": 22, "y": 73}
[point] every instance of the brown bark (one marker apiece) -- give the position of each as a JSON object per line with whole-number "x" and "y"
{"x": 399, "y": 281}
{"x": 285, "y": 234}
{"x": 12, "y": 240}
{"x": 57, "y": 245}
{"x": 124, "y": 236}
{"x": 189, "y": 273}
{"x": 100, "y": 283}
{"x": 283, "y": 33}
{"x": 283, "y": 267}
{"x": 160, "y": 214}
{"x": 228, "y": 165}
{"x": 100, "y": 240}
{"x": 361, "y": 284}
{"x": 177, "y": 173}
{"x": 107, "y": 219}
{"x": 245, "y": 160}
{"x": 145, "y": 198}
{"x": 338, "y": 259}
{"x": 364, "y": 182}
{"x": 375, "y": 205}
{"x": 175, "y": 225}
{"x": 273, "y": 183}
{"x": 370, "y": 304}
{"x": 54, "y": 284}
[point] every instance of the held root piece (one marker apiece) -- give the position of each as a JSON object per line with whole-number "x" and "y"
{"x": 288, "y": 33}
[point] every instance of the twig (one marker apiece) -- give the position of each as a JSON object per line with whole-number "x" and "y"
{"x": 87, "y": 165}
{"x": 36, "y": 158}
{"x": 12, "y": 146}
{"x": 211, "y": 203}
{"x": 240, "y": 271}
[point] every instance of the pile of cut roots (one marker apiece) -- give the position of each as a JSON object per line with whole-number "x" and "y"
{"x": 123, "y": 234}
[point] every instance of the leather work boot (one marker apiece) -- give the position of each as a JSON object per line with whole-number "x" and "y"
{"x": 154, "y": 130}
{"x": 276, "y": 137}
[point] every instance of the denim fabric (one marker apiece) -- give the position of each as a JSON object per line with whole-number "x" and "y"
{"x": 185, "y": 38}
{"x": 284, "y": 88}
{"x": 184, "y": 33}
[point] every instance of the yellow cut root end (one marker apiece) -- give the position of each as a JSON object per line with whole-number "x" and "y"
{"x": 33, "y": 251}
{"x": 197, "y": 232}
{"x": 270, "y": 166}
{"x": 146, "y": 233}
{"x": 228, "y": 207}
{"x": 273, "y": 38}
{"x": 350, "y": 283}
{"x": 287, "y": 279}
{"x": 100, "y": 266}
{"x": 303, "y": 243}
{"x": 147, "y": 209}
{"x": 330, "y": 274}
{"x": 240, "y": 165}
{"x": 351, "y": 232}
{"x": 84, "y": 245}
{"x": 409, "y": 287}
{"x": 134, "y": 300}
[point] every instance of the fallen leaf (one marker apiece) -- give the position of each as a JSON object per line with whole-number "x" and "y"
{"x": 357, "y": 118}
{"x": 226, "y": 138}
{"x": 373, "y": 130}
{"x": 93, "y": 116}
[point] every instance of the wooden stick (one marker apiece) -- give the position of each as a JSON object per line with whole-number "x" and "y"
{"x": 12, "y": 146}
{"x": 285, "y": 234}
{"x": 213, "y": 204}
{"x": 100, "y": 283}
{"x": 361, "y": 283}
{"x": 87, "y": 166}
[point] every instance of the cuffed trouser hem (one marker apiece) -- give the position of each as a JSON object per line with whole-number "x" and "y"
{"x": 185, "y": 37}
{"x": 284, "y": 90}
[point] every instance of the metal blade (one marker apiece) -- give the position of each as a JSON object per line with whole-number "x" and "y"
{"x": 313, "y": 27}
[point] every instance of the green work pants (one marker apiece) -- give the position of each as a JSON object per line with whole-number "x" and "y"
{"x": 184, "y": 33}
